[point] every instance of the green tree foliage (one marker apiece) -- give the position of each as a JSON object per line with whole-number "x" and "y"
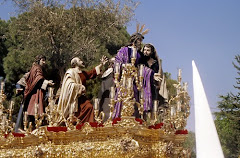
{"x": 62, "y": 30}
{"x": 228, "y": 119}
{"x": 172, "y": 92}
{"x": 3, "y": 43}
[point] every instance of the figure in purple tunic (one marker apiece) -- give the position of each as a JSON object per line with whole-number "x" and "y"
{"x": 153, "y": 70}
{"x": 123, "y": 57}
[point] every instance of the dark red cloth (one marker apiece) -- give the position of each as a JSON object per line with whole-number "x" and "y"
{"x": 33, "y": 93}
{"x": 115, "y": 120}
{"x": 181, "y": 132}
{"x": 139, "y": 120}
{"x": 156, "y": 126}
{"x": 57, "y": 129}
{"x": 15, "y": 134}
{"x": 85, "y": 108}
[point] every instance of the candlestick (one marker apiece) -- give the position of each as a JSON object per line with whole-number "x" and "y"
{"x": 155, "y": 105}
{"x": 71, "y": 109}
{"x": 117, "y": 67}
{"x": 179, "y": 73}
{"x": 134, "y": 52}
{"x": 96, "y": 104}
{"x": 50, "y": 91}
{"x": 51, "y": 105}
{"x": 11, "y": 105}
{"x": 178, "y": 106}
{"x": 2, "y": 85}
{"x": 124, "y": 81}
{"x": 172, "y": 111}
{"x": 185, "y": 85}
{"x": 36, "y": 108}
{"x": 141, "y": 94}
{"x": 141, "y": 70}
{"x": 25, "y": 116}
{"x": 112, "y": 94}
{"x": 30, "y": 126}
{"x": 129, "y": 83}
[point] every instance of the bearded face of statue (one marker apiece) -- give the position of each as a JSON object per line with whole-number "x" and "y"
{"x": 147, "y": 51}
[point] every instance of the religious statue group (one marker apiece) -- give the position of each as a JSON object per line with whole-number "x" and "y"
{"x": 72, "y": 100}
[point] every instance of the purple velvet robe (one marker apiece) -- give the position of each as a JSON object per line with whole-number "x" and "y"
{"x": 124, "y": 56}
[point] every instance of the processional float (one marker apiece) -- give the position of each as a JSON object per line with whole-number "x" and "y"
{"x": 162, "y": 136}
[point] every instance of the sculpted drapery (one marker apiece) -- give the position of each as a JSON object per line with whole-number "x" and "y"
{"x": 72, "y": 96}
{"x": 71, "y": 88}
{"x": 33, "y": 93}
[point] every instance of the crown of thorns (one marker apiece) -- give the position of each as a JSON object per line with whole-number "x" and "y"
{"x": 139, "y": 34}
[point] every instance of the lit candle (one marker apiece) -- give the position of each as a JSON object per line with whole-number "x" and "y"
{"x": 141, "y": 70}
{"x": 96, "y": 105}
{"x": 51, "y": 105}
{"x": 134, "y": 52}
{"x": 178, "y": 106}
{"x": 117, "y": 67}
{"x": 112, "y": 94}
{"x": 141, "y": 94}
{"x": 172, "y": 111}
{"x": 155, "y": 105}
{"x": 179, "y": 73}
{"x": 124, "y": 81}
{"x": 2, "y": 84}
{"x": 185, "y": 85}
{"x": 25, "y": 116}
{"x": 11, "y": 105}
{"x": 129, "y": 83}
{"x": 50, "y": 92}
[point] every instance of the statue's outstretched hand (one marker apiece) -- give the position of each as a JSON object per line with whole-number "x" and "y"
{"x": 104, "y": 60}
{"x": 157, "y": 77}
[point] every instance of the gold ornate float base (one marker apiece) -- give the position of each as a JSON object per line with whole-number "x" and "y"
{"x": 118, "y": 140}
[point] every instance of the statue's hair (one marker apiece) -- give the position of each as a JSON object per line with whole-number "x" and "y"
{"x": 74, "y": 62}
{"x": 39, "y": 57}
{"x": 139, "y": 35}
{"x": 135, "y": 37}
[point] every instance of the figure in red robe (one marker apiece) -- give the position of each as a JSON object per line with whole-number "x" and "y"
{"x": 36, "y": 85}
{"x": 72, "y": 98}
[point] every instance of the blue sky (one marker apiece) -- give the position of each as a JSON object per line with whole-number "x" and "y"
{"x": 206, "y": 31}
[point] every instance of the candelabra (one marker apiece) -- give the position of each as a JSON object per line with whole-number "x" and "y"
{"x": 5, "y": 114}
{"x": 129, "y": 77}
{"x": 179, "y": 109}
{"x": 98, "y": 117}
{"x": 38, "y": 117}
